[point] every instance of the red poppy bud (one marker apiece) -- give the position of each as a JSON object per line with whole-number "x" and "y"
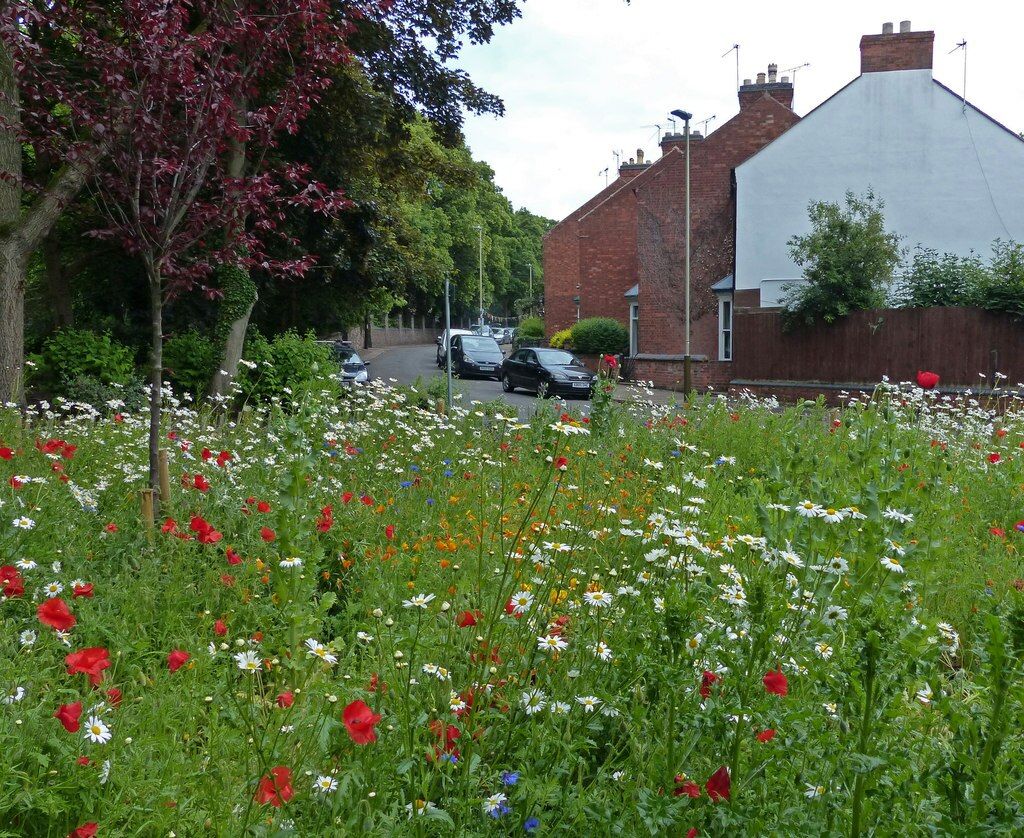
{"x": 775, "y": 682}
{"x": 177, "y": 659}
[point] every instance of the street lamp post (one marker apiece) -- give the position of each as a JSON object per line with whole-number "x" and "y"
{"x": 687, "y": 370}
{"x": 448, "y": 337}
{"x": 530, "y": 266}
{"x": 480, "y": 241}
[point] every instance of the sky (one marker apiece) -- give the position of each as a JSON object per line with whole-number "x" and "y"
{"x": 583, "y": 78}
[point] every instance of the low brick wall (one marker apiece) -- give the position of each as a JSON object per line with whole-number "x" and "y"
{"x": 666, "y": 371}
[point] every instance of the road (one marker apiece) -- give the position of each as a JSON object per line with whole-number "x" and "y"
{"x": 405, "y": 364}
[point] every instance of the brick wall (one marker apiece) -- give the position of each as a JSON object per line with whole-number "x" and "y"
{"x": 899, "y": 51}
{"x": 668, "y": 373}
{"x": 661, "y": 228}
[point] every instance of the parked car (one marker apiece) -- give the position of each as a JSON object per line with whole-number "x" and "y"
{"x": 503, "y": 334}
{"x": 547, "y": 372}
{"x": 442, "y": 344}
{"x": 476, "y": 355}
{"x": 482, "y": 329}
{"x": 353, "y": 368}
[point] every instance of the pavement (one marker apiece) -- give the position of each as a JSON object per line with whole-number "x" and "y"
{"x": 405, "y": 364}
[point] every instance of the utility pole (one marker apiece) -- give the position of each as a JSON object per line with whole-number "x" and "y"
{"x": 480, "y": 238}
{"x": 531, "y": 287}
{"x": 687, "y": 361}
{"x": 448, "y": 336}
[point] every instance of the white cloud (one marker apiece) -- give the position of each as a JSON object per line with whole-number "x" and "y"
{"x": 582, "y": 77}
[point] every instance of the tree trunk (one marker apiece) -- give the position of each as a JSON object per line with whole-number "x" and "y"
{"x": 367, "y": 333}
{"x": 156, "y": 377}
{"x": 241, "y": 310}
{"x": 57, "y": 284}
{"x": 13, "y": 262}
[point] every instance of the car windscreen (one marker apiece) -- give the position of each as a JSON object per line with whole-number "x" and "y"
{"x": 556, "y": 357}
{"x": 472, "y": 343}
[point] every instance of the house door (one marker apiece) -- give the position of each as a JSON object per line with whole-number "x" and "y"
{"x": 634, "y": 328}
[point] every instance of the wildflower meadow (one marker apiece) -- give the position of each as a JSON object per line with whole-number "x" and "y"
{"x": 362, "y": 615}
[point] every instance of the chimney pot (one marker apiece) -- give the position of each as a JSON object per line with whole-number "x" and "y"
{"x": 887, "y": 28}
{"x": 639, "y": 155}
{"x": 785, "y": 79}
{"x": 904, "y": 26}
{"x": 746, "y": 81}
{"x": 773, "y": 71}
{"x": 760, "y": 78}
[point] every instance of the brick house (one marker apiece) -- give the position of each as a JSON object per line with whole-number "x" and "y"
{"x": 621, "y": 254}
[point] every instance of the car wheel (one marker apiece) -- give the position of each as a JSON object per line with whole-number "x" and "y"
{"x": 542, "y": 389}
{"x": 506, "y": 384}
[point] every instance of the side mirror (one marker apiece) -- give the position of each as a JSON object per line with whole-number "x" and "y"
{"x": 366, "y": 363}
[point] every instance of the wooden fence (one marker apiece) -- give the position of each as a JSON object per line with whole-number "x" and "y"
{"x": 965, "y": 346}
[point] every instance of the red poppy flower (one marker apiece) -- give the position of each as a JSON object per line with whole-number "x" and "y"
{"x": 201, "y": 483}
{"x": 267, "y": 534}
{"x": 263, "y": 506}
{"x": 86, "y": 830}
{"x": 114, "y": 696}
{"x": 223, "y": 458}
{"x": 85, "y": 590}
{"x": 692, "y": 832}
{"x": 84, "y": 761}
{"x": 468, "y": 618}
{"x": 326, "y": 519}
{"x": 366, "y": 500}
{"x": 926, "y": 380}
{"x": 204, "y": 530}
{"x": 56, "y": 614}
{"x": 169, "y": 525}
{"x": 15, "y": 483}
{"x": 706, "y": 680}
{"x": 69, "y": 715}
{"x": 11, "y": 583}
{"x": 997, "y": 532}
{"x": 611, "y": 362}
{"x": 177, "y": 659}
{"x": 718, "y": 784}
{"x": 994, "y": 458}
{"x": 91, "y": 662}
{"x": 276, "y": 787}
{"x": 285, "y": 700}
{"x": 6, "y": 454}
{"x": 346, "y": 497}
{"x": 687, "y": 787}
{"x": 561, "y": 464}
{"x": 359, "y": 721}
{"x": 220, "y": 628}
{"x": 766, "y": 735}
{"x": 232, "y": 556}
{"x": 775, "y": 682}
{"x": 389, "y": 531}
{"x": 111, "y": 527}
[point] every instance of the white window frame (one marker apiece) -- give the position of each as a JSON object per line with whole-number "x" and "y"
{"x": 725, "y": 347}
{"x": 634, "y": 333}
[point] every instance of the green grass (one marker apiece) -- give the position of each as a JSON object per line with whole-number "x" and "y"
{"x": 901, "y": 717}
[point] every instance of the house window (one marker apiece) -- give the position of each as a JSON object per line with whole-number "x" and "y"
{"x": 724, "y": 329}
{"x": 634, "y": 328}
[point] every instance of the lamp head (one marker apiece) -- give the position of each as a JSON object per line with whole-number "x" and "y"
{"x": 683, "y": 115}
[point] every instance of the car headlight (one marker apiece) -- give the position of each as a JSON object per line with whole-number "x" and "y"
{"x": 361, "y": 375}
{"x": 559, "y": 376}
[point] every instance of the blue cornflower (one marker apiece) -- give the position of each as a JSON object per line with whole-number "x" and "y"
{"x": 677, "y": 453}
{"x": 448, "y": 472}
{"x": 405, "y": 484}
{"x": 430, "y": 501}
{"x": 531, "y": 824}
{"x": 509, "y": 778}
{"x": 414, "y": 468}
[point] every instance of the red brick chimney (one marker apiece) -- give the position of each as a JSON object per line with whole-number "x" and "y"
{"x": 903, "y": 50}
{"x": 670, "y": 141}
{"x": 767, "y": 85}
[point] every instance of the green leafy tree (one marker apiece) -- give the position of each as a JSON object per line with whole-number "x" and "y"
{"x": 848, "y": 259}
{"x": 946, "y": 280}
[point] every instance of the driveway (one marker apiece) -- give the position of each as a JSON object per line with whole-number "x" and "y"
{"x": 405, "y": 364}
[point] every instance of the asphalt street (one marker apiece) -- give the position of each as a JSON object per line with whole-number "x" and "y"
{"x": 405, "y": 364}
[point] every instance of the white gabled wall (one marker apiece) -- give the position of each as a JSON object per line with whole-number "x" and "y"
{"x": 951, "y": 178}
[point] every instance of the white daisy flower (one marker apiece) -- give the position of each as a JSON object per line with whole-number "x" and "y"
{"x": 248, "y": 661}
{"x": 316, "y": 649}
{"x": 96, "y": 731}
{"x": 324, "y": 784}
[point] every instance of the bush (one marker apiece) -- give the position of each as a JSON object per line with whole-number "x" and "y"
{"x": 562, "y": 339}
{"x": 848, "y": 261}
{"x": 71, "y": 354}
{"x": 289, "y": 362}
{"x": 1002, "y": 288}
{"x": 599, "y": 335}
{"x": 531, "y": 328}
{"x": 90, "y": 390}
{"x": 946, "y": 280}
{"x": 190, "y": 359}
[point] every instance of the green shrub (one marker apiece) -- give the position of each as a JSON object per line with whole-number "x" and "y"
{"x": 70, "y": 354}
{"x": 288, "y": 362}
{"x": 531, "y": 328}
{"x": 190, "y": 359}
{"x": 946, "y": 280}
{"x": 559, "y": 340}
{"x": 90, "y": 390}
{"x": 848, "y": 260}
{"x": 599, "y": 335}
{"x": 1003, "y": 286}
